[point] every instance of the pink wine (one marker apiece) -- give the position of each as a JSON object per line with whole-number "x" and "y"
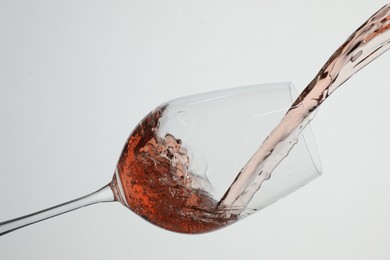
{"x": 156, "y": 184}
{"x": 153, "y": 177}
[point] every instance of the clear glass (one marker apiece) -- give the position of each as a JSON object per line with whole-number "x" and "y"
{"x": 221, "y": 130}
{"x": 182, "y": 158}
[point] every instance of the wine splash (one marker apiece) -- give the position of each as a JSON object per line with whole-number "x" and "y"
{"x": 158, "y": 186}
{"x": 368, "y": 42}
{"x": 154, "y": 169}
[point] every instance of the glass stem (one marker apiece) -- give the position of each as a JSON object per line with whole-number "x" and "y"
{"x": 105, "y": 194}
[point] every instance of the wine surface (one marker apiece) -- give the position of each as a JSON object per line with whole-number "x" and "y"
{"x": 153, "y": 169}
{"x": 156, "y": 182}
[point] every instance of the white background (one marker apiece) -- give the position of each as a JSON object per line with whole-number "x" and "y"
{"x": 77, "y": 76}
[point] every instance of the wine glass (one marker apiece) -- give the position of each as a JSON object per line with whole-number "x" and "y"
{"x": 180, "y": 160}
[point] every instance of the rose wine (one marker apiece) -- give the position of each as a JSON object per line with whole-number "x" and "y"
{"x": 153, "y": 176}
{"x": 163, "y": 175}
{"x": 156, "y": 182}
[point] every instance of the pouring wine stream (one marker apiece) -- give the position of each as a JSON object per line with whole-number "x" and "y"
{"x": 367, "y": 43}
{"x": 364, "y": 45}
